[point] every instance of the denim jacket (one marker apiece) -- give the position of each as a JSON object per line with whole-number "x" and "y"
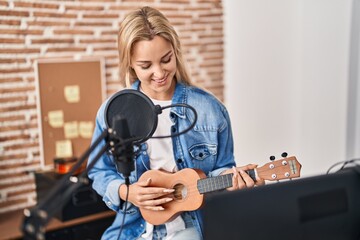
{"x": 208, "y": 146}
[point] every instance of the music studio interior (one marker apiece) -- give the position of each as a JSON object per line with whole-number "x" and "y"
{"x": 288, "y": 71}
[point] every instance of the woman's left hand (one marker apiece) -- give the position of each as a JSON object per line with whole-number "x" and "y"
{"x": 241, "y": 179}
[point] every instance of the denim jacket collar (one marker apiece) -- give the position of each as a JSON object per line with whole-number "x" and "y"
{"x": 180, "y": 96}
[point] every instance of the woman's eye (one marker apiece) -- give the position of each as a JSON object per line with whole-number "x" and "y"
{"x": 145, "y": 67}
{"x": 167, "y": 60}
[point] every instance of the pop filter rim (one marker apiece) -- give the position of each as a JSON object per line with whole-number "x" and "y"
{"x": 149, "y": 104}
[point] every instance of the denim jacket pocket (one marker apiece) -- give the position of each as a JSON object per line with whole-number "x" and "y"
{"x": 202, "y": 151}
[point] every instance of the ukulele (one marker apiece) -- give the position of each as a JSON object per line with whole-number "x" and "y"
{"x": 191, "y": 184}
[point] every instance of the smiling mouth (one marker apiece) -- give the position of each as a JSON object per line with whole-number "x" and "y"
{"x": 161, "y": 80}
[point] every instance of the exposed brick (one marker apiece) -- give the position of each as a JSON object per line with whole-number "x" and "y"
{"x": 104, "y": 15}
{"x": 11, "y": 99}
{"x": 100, "y": 1}
{"x": 12, "y": 203}
{"x": 92, "y": 40}
{"x": 111, "y": 32}
{"x": 211, "y": 15}
{"x": 113, "y": 48}
{"x": 18, "y": 165}
{"x": 52, "y": 40}
{"x": 54, "y": 15}
{"x": 10, "y": 185}
{"x": 198, "y": 8}
{"x": 211, "y": 36}
{"x": 4, "y": 3}
{"x": 14, "y": 13}
{"x": 172, "y": 1}
{"x": 21, "y": 50}
{"x": 11, "y": 118}
{"x": 14, "y": 70}
{"x": 17, "y": 108}
{"x": 211, "y": 64}
{"x": 73, "y": 32}
{"x": 94, "y": 24}
{"x": 21, "y": 31}
{"x": 11, "y": 40}
{"x": 12, "y": 156}
{"x": 19, "y": 89}
{"x": 10, "y": 22}
{"x": 34, "y": 30}
{"x": 36, "y": 5}
{"x": 113, "y": 65}
{"x": 209, "y": 1}
{"x": 29, "y": 79}
{"x": 47, "y": 23}
{"x": 146, "y": 1}
{"x": 21, "y": 136}
{"x": 84, "y": 8}
{"x": 124, "y": 8}
{"x": 12, "y": 60}
{"x": 22, "y": 192}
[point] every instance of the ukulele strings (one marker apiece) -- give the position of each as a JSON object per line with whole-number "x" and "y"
{"x": 194, "y": 188}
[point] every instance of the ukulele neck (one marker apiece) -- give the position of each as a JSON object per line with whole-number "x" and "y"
{"x": 220, "y": 182}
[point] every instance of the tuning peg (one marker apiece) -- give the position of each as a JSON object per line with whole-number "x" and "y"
{"x": 284, "y": 154}
{"x": 272, "y": 158}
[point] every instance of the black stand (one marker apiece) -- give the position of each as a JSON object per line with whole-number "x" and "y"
{"x": 38, "y": 217}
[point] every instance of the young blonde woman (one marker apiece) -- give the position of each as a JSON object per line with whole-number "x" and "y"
{"x": 151, "y": 62}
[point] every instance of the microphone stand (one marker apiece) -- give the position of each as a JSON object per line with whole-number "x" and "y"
{"x": 35, "y": 220}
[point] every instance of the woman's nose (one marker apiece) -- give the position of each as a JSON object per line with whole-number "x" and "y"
{"x": 158, "y": 72}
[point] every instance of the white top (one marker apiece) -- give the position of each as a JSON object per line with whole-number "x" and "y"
{"x": 160, "y": 150}
{"x": 161, "y": 154}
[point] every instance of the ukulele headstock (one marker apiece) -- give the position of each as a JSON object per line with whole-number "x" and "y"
{"x": 286, "y": 168}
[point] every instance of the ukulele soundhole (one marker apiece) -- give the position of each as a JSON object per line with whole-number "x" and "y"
{"x": 180, "y": 192}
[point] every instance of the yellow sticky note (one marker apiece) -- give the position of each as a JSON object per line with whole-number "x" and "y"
{"x": 72, "y": 93}
{"x": 64, "y": 149}
{"x": 86, "y": 129}
{"x": 56, "y": 118}
{"x": 71, "y": 129}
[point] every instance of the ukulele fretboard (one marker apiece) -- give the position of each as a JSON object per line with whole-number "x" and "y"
{"x": 218, "y": 183}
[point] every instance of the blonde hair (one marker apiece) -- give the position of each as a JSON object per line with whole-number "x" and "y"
{"x": 144, "y": 24}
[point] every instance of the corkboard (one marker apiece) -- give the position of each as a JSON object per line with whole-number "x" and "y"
{"x": 69, "y": 95}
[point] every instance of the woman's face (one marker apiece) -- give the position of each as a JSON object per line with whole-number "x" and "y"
{"x": 154, "y": 63}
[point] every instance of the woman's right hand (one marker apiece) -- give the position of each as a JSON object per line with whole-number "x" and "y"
{"x": 144, "y": 196}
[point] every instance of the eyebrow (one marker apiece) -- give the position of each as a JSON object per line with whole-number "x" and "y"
{"x": 167, "y": 54}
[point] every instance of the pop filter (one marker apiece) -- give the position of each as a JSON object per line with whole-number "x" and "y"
{"x": 137, "y": 109}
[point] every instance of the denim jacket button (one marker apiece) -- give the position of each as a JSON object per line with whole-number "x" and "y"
{"x": 173, "y": 129}
{"x": 179, "y": 160}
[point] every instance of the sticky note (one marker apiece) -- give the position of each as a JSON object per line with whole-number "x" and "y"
{"x": 72, "y": 93}
{"x": 86, "y": 129}
{"x": 64, "y": 149}
{"x": 56, "y": 118}
{"x": 71, "y": 129}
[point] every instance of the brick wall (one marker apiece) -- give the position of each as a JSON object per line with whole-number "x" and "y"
{"x": 79, "y": 28}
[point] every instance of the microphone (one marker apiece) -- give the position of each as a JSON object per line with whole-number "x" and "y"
{"x": 123, "y": 151}
{"x": 134, "y": 118}
{"x": 137, "y": 109}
